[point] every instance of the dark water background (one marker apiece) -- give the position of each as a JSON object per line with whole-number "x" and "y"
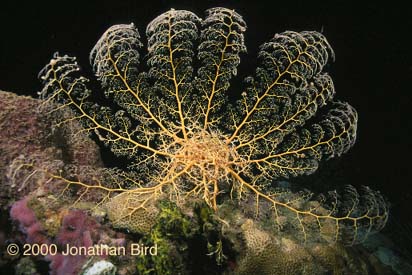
{"x": 372, "y": 71}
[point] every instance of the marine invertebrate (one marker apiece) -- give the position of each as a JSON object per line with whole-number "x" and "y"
{"x": 31, "y": 135}
{"x": 185, "y": 139}
{"x": 28, "y": 223}
{"x": 76, "y": 229}
{"x": 266, "y": 253}
{"x": 130, "y": 215}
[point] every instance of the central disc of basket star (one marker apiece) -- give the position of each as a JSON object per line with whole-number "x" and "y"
{"x": 204, "y": 159}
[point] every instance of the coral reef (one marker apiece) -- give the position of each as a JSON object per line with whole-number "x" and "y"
{"x": 28, "y": 222}
{"x": 195, "y": 229}
{"x": 31, "y": 135}
{"x": 201, "y": 186}
{"x": 268, "y": 254}
{"x": 124, "y": 211}
{"x": 76, "y": 229}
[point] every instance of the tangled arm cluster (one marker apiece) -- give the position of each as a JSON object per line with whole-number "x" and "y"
{"x": 185, "y": 139}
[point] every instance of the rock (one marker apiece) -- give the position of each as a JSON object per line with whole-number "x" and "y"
{"x": 101, "y": 268}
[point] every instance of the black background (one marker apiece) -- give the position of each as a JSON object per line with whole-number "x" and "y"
{"x": 372, "y": 70}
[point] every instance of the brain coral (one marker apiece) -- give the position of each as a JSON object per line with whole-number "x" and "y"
{"x": 267, "y": 254}
{"x": 126, "y": 211}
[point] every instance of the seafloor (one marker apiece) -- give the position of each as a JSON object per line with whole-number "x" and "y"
{"x": 38, "y": 224}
